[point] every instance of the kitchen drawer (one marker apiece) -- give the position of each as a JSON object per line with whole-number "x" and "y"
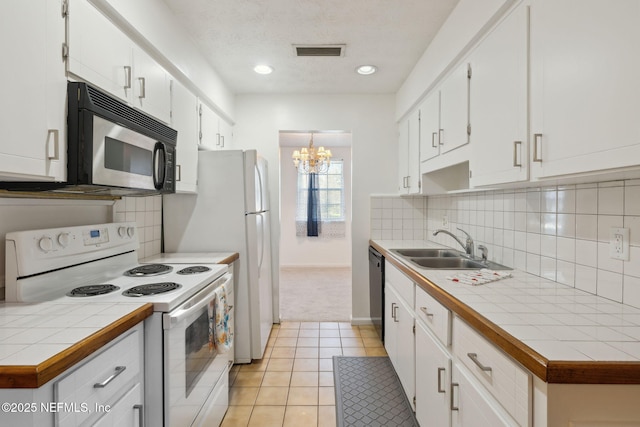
{"x": 401, "y": 283}
{"x": 117, "y": 367}
{"x": 434, "y": 315}
{"x": 505, "y": 379}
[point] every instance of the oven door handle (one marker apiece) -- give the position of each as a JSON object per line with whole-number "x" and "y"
{"x": 194, "y": 305}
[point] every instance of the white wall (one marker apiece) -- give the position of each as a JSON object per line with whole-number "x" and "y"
{"x": 311, "y": 251}
{"x": 370, "y": 119}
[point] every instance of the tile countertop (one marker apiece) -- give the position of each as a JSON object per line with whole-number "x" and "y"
{"x": 39, "y": 341}
{"x": 560, "y": 333}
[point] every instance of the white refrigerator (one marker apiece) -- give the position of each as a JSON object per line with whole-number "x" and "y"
{"x": 230, "y": 213}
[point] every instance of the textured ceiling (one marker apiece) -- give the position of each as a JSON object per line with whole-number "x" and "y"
{"x": 235, "y": 35}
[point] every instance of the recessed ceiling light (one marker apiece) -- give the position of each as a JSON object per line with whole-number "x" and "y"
{"x": 263, "y": 69}
{"x": 365, "y": 70}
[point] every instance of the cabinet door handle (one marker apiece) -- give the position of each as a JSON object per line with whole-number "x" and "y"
{"x": 440, "y": 389}
{"x": 433, "y": 140}
{"x": 140, "y": 408}
{"x": 517, "y": 147}
{"x": 217, "y": 139}
{"x": 222, "y": 141}
{"x": 474, "y": 358}
{"x": 537, "y": 138}
{"x": 127, "y": 77}
{"x": 53, "y": 149}
{"x": 426, "y": 313}
{"x": 143, "y": 87}
{"x": 394, "y": 307}
{"x": 179, "y": 172}
{"x": 451, "y": 405}
{"x": 118, "y": 371}
{"x": 440, "y": 132}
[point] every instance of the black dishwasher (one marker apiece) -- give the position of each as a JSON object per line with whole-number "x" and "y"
{"x": 376, "y": 290}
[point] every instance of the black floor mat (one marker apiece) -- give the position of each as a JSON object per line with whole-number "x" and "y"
{"x": 369, "y": 393}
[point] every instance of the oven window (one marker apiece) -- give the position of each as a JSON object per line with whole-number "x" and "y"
{"x": 128, "y": 158}
{"x": 198, "y": 348}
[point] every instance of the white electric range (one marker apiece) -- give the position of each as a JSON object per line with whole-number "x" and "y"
{"x": 186, "y": 380}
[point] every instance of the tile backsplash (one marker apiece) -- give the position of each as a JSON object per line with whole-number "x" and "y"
{"x": 561, "y": 233}
{"x": 147, "y": 213}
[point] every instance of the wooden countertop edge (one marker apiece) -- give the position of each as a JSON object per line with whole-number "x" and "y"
{"x": 550, "y": 371}
{"x": 231, "y": 258}
{"x": 24, "y": 376}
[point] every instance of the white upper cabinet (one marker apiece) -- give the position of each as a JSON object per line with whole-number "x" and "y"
{"x": 209, "y": 125}
{"x": 101, "y": 54}
{"x": 184, "y": 119}
{"x": 585, "y": 92}
{"x": 454, "y": 109}
{"x": 498, "y": 104}
{"x": 151, "y": 86}
{"x": 409, "y": 155}
{"x": 430, "y": 127}
{"x": 33, "y": 102}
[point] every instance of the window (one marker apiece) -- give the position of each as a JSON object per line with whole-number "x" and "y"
{"x": 332, "y": 205}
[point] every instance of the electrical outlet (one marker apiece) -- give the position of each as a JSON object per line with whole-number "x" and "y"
{"x": 445, "y": 222}
{"x": 619, "y": 243}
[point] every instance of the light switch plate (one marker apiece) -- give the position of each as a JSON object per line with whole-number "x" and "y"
{"x": 619, "y": 243}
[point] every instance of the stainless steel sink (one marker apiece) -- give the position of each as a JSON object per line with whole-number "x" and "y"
{"x": 428, "y": 253}
{"x": 448, "y": 263}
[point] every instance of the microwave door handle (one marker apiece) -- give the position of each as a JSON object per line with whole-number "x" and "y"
{"x": 175, "y": 318}
{"x": 159, "y": 166}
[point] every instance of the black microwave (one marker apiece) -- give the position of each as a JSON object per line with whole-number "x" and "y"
{"x": 114, "y": 148}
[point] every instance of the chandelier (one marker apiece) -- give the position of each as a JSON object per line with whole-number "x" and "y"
{"x": 312, "y": 160}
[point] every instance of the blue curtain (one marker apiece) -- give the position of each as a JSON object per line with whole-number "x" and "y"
{"x": 313, "y": 207}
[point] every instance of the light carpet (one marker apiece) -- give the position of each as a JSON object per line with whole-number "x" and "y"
{"x": 315, "y": 294}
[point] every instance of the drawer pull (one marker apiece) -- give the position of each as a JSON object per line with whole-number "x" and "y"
{"x": 394, "y": 306}
{"x": 118, "y": 371}
{"x": 426, "y": 313}
{"x": 474, "y": 357}
{"x": 451, "y": 406}
{"x": 440, "y": 389}
{"x": 140, "y": 414}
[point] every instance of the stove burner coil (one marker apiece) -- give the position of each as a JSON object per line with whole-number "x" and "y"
{"x": 151, "y": 289}
{"x": 194, "y": 269}
{"x": 91, "y": 290}
{"x": 148, "y": 270}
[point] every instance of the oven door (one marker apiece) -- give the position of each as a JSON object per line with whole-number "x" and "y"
{"x": 191, "y": 368}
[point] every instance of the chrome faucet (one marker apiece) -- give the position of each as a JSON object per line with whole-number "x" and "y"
{"x": 468, "y": 247}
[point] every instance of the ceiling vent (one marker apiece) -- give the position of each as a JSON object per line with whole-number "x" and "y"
{"x": 319, "y": 50}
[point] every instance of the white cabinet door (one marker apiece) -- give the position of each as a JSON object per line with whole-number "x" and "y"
{"x": 126, "y": 412}
{"x": 33, "y": 101}
{"x": 470, "y": 405}
{"x": 498, "y": 104}
{"x": 391, "y": 302}
{"x": 405, "y": 352}
{"x": 585, "y": 93}
{"x": 430, "y": 127}
{"x": 454, "y": 109}
{"x": 151, "y": 86}
{"x": 98, "y": 51}
{"x": 226, "y": 134}
{"x": 413, "y": 160}
{"x": 433, "y": 372}
{"x": 403, "y": 156}
{"x": 184, "y": 119}
{"x": 209, "y": 136}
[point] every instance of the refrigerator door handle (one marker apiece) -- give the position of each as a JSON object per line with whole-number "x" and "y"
{"x": 260, "y": 204}
{"x": 261, "y": 245}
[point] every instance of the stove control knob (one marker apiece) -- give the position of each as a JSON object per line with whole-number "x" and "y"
{"x": 122, "y": 231}
{"x": 131, "y": 231}
{"x": 63, "y": 239}
{"x": 46, "y": 244}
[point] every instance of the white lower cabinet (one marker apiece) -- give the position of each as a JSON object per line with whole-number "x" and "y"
{"x": 105, "y": 389}
{"x": 399, "y": 328}
{"x": 433, "y": 373}
{"x": 470, "y": 405}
